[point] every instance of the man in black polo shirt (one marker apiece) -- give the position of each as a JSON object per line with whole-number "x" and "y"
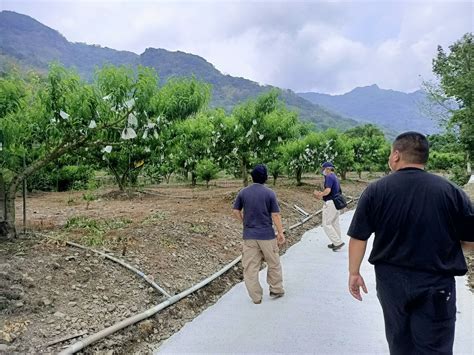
{"x": 420, "y": 222}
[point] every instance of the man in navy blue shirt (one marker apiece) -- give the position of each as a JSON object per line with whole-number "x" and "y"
{"x": 260, "y": 211}
{"x": 330, "y": 213}
{"x": 420, "y": 221}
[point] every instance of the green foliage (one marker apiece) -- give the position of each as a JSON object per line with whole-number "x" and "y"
{"x": 456, "y": 75}
{"x": 74, "y": 177}
{"x": 48, "y": 119}
{"x": 448, "y": 142}
{"x": 275, "y": 168}
{"x": 44, "y": 179}
{"x": 365, "y": 131}
{"x": 223, "y": 136}
{"x": 302, "y": 155}
{"x": 260, "y": 126}
{"x": 370, "y": 149}
{"x": 88, "y": 197}
{"x": 445, "y": 161}
{"x": 459, "y": 176}
{"x": 446, "y": 154}
{"x": 206, "y": 170}
{"x": 12, "y": 91}
{"x": 192, "y": 143}
{"x": 151, "y": 113}
{"x": 180, "y": 98}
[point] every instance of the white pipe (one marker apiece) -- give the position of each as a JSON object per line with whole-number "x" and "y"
{"x": 300, "y": 210}
{"x": 131, "y": 268}
{"x": 148, "y": 313}
{"x": 315, "y": 214}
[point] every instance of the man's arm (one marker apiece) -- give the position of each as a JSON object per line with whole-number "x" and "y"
{"x": 321, "y": 194}
{"x": 276, "y": 217}
{"x": 238, "y": 214}
{"x": 356, "y": 255}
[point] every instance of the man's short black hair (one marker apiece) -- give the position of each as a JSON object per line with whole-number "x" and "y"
{"x": 413, "y": 146}
{"x": 259, "y": 174}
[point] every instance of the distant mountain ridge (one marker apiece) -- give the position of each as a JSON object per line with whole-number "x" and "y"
{"x": 32, "y": 45}
{"x": 388, "y": 108}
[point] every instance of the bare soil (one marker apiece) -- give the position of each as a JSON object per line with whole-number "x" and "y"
{"x": 176, "y": 234}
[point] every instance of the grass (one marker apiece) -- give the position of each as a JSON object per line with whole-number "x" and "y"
{"x": 198, "y": 229}
{"x": 95, "y": 229}
{"x": 155, "y": 217}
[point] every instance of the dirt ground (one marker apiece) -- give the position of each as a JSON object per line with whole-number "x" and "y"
{"x": 176, "y": 234}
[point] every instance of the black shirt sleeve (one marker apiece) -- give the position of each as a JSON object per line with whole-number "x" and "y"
{"x": 361, "y": 226}
{"x": 467, "y": 219}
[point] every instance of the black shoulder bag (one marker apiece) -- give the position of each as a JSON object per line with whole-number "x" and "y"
{"x": 339, "y": 200}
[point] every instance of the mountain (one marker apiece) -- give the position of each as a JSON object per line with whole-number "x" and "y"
{"x": 388, "y": 108}
{"x": 29, "y": 44}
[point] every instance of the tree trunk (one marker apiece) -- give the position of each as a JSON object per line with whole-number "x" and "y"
{"x": 343, "y": 175}
{"x": 243, "y": 168}
{"x": 193, "y": 178}
{"x": 117, "y": 178}
{"x": 468, "y": 164}
{"x": 8, "y": 228}
{"x": 2, "y": 198}
{"x": 123, "y": 182}
{"x": 299, "y": 173}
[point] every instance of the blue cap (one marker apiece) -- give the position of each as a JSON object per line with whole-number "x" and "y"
{"x": 328, "y": 164}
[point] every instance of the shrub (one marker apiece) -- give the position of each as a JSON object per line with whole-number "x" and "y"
{"x": 206, "y": 170}
{"x": 74, "y": 177}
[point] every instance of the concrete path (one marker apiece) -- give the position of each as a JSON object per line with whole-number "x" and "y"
{"x": 316, "y": 316}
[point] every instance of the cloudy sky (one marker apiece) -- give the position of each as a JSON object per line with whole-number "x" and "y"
{"x": 323, "y": 46}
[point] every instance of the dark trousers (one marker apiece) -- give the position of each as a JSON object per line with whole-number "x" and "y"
{"x": 419, "y": 310}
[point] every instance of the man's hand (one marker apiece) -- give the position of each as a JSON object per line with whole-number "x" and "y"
{"x": 318, "y": 194}
{"x": 238, "y": 215}
{"x": 281, "y": 239}
{"x": 355, "y": 283}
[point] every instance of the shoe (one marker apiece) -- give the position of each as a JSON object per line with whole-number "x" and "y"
{"x": 337, "y": 247}
{"x": 257, "y": 302}
{"x": 276, "y": 294}
{"x": 331, "y": 246}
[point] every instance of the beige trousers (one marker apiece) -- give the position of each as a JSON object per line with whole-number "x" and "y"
{"x": 254, "y": 252}
{"x": 331, "y": 222}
